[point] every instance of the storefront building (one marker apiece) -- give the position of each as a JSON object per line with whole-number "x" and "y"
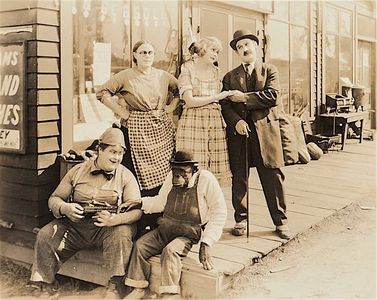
{"x": 66, "y": 49}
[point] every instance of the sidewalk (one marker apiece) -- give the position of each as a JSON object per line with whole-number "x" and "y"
{"x": 314, "y": 191}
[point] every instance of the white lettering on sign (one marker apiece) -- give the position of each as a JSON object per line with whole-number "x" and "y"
{"x": 9, "y": 85}
{"x": 10, "y": 138}
{"x": 8, "y": 58}
{"x": 9, "y": 114}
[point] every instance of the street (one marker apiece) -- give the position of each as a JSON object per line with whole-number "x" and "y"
{"x": 335, "y": 259}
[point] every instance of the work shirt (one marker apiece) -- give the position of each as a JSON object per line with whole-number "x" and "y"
{"x": 85, "y": 187}
{"x": 142, "y": 92}
{"x": 212, "y": 206}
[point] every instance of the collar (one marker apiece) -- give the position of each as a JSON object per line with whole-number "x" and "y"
{"x": 94, "y": 167}
{"x": 251, "y": 67}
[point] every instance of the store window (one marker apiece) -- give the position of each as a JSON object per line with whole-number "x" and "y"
{"x": 157, "y": 21}
{"x": 287, "y": 29}
{"x": 104, "y": 32}
{"x": 338, "y": 47}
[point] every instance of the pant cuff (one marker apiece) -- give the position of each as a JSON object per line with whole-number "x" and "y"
{"x": 171, "y": 289}
{"x": 140, "y": 284}
{"x": 37, "y": 277}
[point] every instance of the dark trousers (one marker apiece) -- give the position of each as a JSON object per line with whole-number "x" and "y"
{"x": 271, "y": 180}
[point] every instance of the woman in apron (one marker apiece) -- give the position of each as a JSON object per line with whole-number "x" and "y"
{"x": 144, "y": 108}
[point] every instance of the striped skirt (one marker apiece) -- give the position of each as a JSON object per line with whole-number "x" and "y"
{"x": 151, "y": 136}
{"x": 201, "y": 130}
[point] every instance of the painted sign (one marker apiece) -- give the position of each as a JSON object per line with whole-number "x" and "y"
{"x": 12, "y": 97}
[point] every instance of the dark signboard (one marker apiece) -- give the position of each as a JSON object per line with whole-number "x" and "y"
{"x": 12, "y": 97}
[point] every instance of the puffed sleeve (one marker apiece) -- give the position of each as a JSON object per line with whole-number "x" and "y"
{"x": 184, "y": 81}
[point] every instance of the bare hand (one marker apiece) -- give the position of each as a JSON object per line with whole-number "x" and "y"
{"x": 132, "y": 204}
{"x": 106, "y": 219}
{"x": 237, "y": 96}
{"x": 205, "y": 257}
{"x": 72, "y": 211}
{"x": 242, "y": 128}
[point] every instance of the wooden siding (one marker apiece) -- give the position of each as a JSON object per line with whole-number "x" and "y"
{"x": 28, "y": 180}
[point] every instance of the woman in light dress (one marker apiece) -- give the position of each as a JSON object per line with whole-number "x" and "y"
{"x": 201, "y": 128}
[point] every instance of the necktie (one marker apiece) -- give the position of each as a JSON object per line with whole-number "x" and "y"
{"x": 99, "y": 171}
{"x": 247, "y": 69}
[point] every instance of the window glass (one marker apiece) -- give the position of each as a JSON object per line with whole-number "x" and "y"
{"x": 366, "y": 26}
{"x": 101, "y": 46}
{"x": 299, "y": 67}
{"x": 157, "y": 22}
{"x": 215, "y": 23}
{"x": 345, "y": 57}
{"x": 281, "y": 10}
{"x": 242, "y": 22}
{"x": 345, "y": 23}
{"x": 188, "y": 35}
{"x": 279, "y": 56}
{"x": 299, "y": 12}
{"x": 331, "y": 19}
{"x": 332, "y": 63}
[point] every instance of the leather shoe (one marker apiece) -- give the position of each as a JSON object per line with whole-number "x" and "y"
{"x": 239, "y": 228}
{"x": 136, "y": 294}
{"x": 284, "y": 233}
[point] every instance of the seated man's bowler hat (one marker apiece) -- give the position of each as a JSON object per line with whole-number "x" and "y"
{"x": 183, "y": 158}
{"x": 242, "y": 34}
{"x": 113, "y": 137}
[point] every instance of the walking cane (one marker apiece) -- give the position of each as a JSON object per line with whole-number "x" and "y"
{"x": 247, "y": 186}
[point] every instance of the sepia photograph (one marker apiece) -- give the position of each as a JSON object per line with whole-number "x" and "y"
{"x": 188, "y": 149}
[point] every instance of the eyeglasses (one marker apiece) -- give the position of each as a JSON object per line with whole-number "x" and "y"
{"x": 146, "y": 52}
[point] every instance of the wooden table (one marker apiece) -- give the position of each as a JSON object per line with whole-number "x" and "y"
{"x": 343, "y": 119}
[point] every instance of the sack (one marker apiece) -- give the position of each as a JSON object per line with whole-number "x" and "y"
{"x": 288, "y": 140}
{"x": 293, "y": 140}
{"x": 314, "y": 151}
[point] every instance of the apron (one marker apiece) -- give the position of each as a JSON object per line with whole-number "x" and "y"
{"x": 152, "y": 146}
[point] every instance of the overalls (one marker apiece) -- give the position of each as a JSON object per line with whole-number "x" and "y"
{"x": 179, "y": 229}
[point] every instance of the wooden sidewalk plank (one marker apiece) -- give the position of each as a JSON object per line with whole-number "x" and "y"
{"x": 229, "y": 253}
{"x": 255, "y": 243}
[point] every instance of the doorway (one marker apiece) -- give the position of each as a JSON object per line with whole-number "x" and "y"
{"x": 366, "y": 77}
{"x": 220, "y": 20}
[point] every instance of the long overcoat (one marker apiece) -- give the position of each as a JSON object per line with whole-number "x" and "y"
{"x": 264, "y": 106}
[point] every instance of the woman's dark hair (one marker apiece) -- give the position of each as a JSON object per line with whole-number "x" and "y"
{"x": 137, "y": 45}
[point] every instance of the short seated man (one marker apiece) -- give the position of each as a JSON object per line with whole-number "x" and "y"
{"x": 101, "y": 181}
{"x": 191, "y": 200}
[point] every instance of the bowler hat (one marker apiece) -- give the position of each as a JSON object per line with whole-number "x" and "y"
{"x": 112, "y": 137}
{"x": 242, "y": 34}
{"x": 183, "y": 158}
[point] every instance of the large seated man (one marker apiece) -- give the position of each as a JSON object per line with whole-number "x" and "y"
{"x": 191, "y": 200}
{"x": 93, "y": 185}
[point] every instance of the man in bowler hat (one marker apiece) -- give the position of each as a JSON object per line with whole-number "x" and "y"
{"x": 251, "y": 114}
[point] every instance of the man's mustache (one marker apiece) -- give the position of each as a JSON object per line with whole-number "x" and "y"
{"x": 246, "y": 52}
